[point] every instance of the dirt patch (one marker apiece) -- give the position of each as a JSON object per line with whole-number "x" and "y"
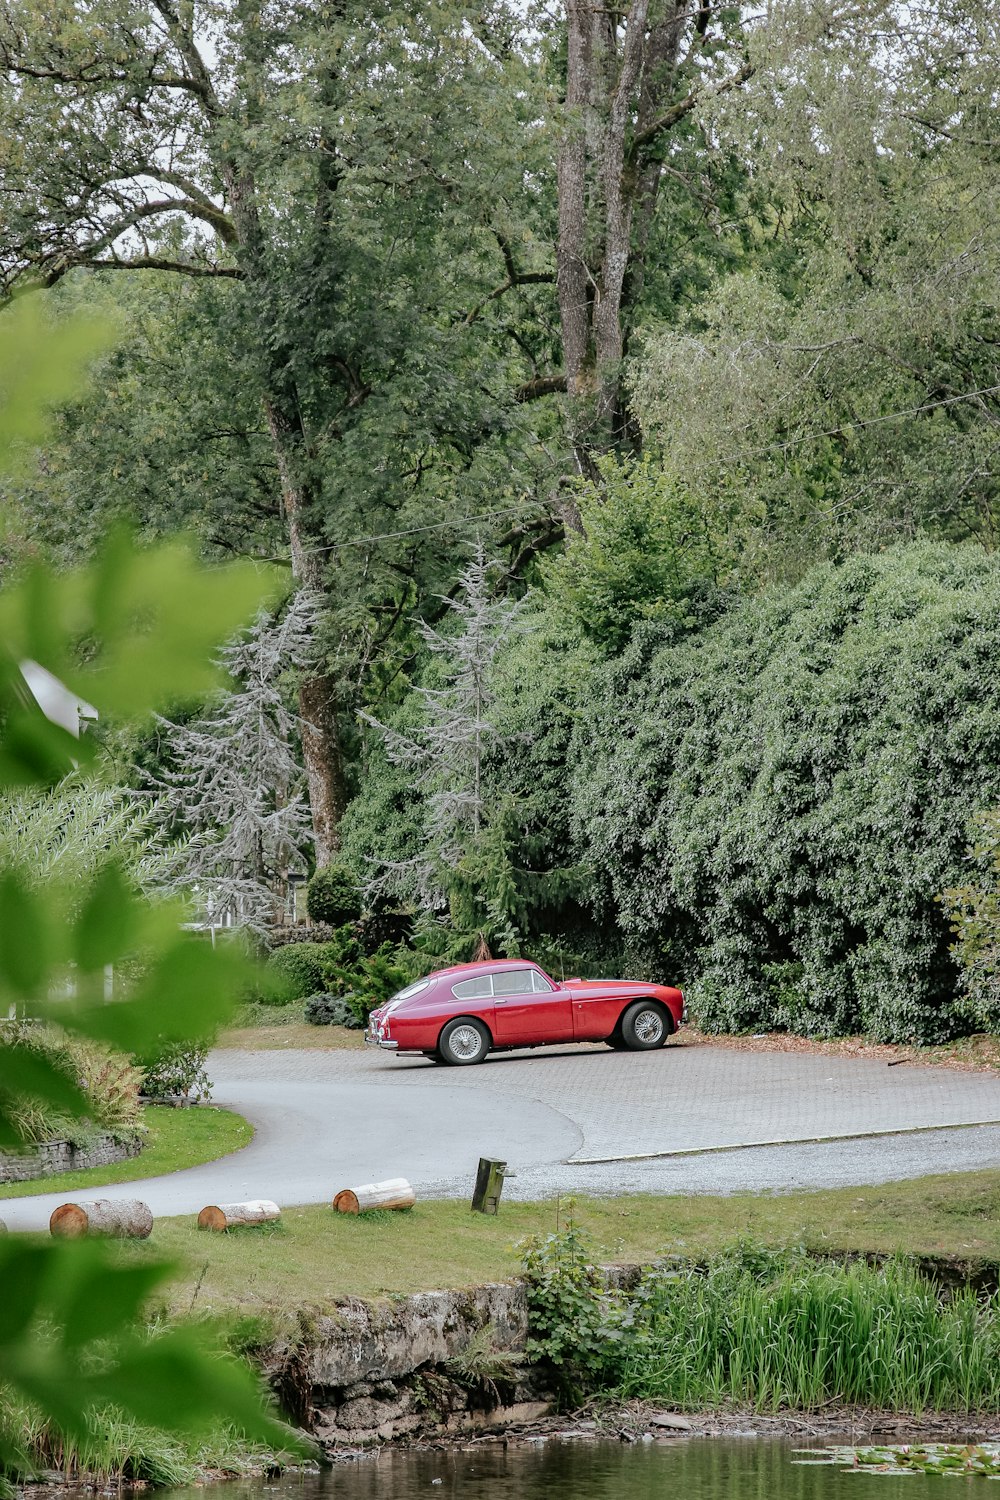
{"x": 973, "y": 1054}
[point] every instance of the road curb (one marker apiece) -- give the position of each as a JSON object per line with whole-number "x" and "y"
{"x": 793, "y": 1140}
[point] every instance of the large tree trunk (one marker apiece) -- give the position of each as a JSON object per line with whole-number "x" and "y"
{"x": 625, "y": 90}
{"x": 319, "y": 699}
{"x": 318, "y": 696}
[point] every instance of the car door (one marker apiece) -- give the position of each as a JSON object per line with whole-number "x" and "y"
{"x": 528, "y": 1009}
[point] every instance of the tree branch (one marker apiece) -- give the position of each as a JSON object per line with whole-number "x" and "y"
{"x": 684, "y": 107}
{"x": 543, "y": 385}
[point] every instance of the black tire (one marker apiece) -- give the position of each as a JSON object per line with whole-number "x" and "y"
{"x": 644, "y": 1026}
{"x": 615, "y": 1041}
{"x": 457, "y": 1046}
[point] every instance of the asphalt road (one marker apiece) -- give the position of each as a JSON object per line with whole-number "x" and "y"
{"x": 576, "y": 1119}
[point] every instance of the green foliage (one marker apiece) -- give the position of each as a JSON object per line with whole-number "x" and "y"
{"x": 126, "y": 634}
{"x": 107, "y": 1081}
{"x": 368, "y": 981}
{"x": 323, "y": 1009}
{"x": 298, "y": 970}
{"x": 646, "y": 551}
{"x": 177, "y": 1068}
{"x": 974, "y": 910}
{"x": 776, "y": 807}
{"x": 567, "y": 1313}
{"x": 780, "y": 1330}
{"x": 332, "y": 896}
{"x": 980, "y": 1459}
{"x": 40, "y": 366}
{"x": 485, "y": 1368}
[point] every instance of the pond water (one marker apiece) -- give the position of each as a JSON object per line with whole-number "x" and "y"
{"x": 697, "y": 1469}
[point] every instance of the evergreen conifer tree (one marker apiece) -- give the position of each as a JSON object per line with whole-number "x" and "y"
{"x": 234, "y": 786}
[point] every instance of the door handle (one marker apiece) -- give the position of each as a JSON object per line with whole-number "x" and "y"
{"x": 500, "y": 999}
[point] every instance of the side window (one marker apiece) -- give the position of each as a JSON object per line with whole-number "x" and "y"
{"x": 542, "y": 986}
{"x": 473, "y": 989}
{"x": 512, "y": 982}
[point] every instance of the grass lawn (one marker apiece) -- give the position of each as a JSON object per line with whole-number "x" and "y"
{"x": 177, "y": 1138}
{"x": 289, "y": 1034}
{"x": 316, "y": 1255}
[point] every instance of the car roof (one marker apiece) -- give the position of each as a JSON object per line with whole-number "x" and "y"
{"x": 487, "y": 966}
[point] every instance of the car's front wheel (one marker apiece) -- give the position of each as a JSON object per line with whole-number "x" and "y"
{"x": 644, "y": 1026}
{"x": 463, "y": 1042}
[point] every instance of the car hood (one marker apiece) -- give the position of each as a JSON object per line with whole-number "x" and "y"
{"x": 615, "y": 986}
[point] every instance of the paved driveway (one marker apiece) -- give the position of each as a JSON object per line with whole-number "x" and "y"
{"x": 684, "y": 1119}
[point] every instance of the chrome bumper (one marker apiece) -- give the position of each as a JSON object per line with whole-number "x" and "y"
{"x": 372, "y": 1039}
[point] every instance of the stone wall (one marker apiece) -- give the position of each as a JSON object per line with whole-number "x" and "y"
{"x": 373, "y": 1372}
{"x": 64, "y": 1156}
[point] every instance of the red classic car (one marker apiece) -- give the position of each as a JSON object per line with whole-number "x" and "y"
{"x": 459, "y": 1015}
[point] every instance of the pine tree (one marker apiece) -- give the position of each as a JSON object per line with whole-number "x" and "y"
{"x": 234, "y": 788}
{"x": 447, "y": 753}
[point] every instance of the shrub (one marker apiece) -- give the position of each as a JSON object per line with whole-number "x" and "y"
{"x": 974, "y": 909}
{"x": 179, "y": 1068}
{"x": 778, "y": 804}
{"x": 368, "y": 982}
{"x": 324, "y": 1009}
{"x": 298, "y": 970}
{"x": 566, "y": 1315}
{"x": 332, "y": 896}
{"x": 109, "y": 1081}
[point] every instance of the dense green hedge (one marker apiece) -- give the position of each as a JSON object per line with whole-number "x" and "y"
{"x": 776, "y": 805}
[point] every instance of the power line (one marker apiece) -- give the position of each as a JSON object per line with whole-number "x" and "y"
{"x": 889, "y": 416}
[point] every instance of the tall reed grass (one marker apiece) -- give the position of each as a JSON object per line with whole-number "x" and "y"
{"x": 792, "y": 1332}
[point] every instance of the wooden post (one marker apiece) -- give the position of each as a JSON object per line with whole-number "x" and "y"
{"x": 120, "y": 1218}
{"x": 489, "y": 1185}
{"x": 221, "y": 1216}
{"x": 395, "y": 1192}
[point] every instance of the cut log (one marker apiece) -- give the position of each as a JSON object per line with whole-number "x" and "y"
{"x": 221, "y": 1216}
{"x": 120, "y": 1218}
{"x": 395, "y": 1192}
{"x": 489, "y": 1186}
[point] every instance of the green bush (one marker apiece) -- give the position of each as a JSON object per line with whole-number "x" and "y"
{"x": 777, "y": 805}
{"x": 324, "y": 1009}
{"x": 332, "y": 896}
{"x": 178, "y": 1068}
{"x": 297, "y": 969}
{"x": 974, "y": 909}
{"x": 109, "y": 1081}
{"x": 367, "y": 982}
{"x": 567, "y": 1336}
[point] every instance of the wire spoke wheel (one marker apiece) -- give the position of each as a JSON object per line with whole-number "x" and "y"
{"x": 644, "y": 1027}
{"x": 464, "y": 1042}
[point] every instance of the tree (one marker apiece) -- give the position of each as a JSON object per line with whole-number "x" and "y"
{"x": 844, "y": 396}
{"x": 233, "y": 784}
{"x": 444, "y": 756}
{"x": 284, "y": 154}
{"x": 634, "y": 80}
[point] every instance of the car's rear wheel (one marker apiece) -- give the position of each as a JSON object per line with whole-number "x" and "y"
{"x": 615, "y": 1041}
{"x": 644, "y": 1026}
{"x": 463, "y": 1042}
